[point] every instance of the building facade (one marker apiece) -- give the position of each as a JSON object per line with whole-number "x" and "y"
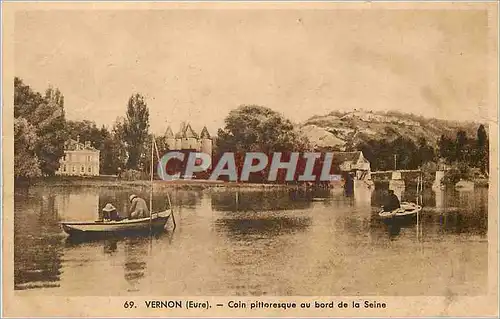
{"x": 80, "y": 159}
{"x": 188, "y": 139}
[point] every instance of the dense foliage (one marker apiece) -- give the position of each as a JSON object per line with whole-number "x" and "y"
{"x": 135, "y": 131}
{"x": 39, "y": 122}
{"x": 40, "y": 131}
{"x": 400, "y": 153}
{"x": 253, "y": 128}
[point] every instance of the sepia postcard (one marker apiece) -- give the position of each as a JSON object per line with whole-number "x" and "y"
{"x": 249, "y": 159}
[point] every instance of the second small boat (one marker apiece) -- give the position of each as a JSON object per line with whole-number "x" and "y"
{"x": 407, "y": 210}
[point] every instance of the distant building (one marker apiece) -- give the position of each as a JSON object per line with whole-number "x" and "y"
{"x": 352, "y": 162}
{"x": 187, "y": 139}
{"x": 80, "y": 159}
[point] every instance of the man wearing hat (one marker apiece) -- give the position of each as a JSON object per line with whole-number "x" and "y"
{"x": 392, "y": 202}
{"x": 109, "y": 213}
{"x": 138, "y": 208}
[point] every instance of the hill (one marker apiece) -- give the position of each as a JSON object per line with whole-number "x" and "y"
{"x": 343, "y": 130}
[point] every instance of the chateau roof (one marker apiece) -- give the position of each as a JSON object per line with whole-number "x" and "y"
{"x": 189, "y": 132}
{"x": 186, "y": 131}
{"x": 169, "y": 133}
{"x": 204, "y": 133}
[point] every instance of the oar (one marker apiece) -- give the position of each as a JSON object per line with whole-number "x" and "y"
{"x": 171, "y": 211}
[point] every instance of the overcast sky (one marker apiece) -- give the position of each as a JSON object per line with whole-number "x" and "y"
{"x": 197, "y": 65}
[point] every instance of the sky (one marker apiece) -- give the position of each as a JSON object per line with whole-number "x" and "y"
{"x": 197, "y": 65}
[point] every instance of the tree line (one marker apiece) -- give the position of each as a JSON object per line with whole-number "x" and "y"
{"x": 41, "y": 130}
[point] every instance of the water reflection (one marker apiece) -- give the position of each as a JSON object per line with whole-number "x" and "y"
{"x": 261, "y": 200}
{"x": 261, "y": 227}
{"x": 135, "y": 256}
{"x": 236, "y": 242}
{"x": 36, "y": 250}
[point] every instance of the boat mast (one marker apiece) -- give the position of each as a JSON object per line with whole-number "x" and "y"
{"x": 151, "y": 189}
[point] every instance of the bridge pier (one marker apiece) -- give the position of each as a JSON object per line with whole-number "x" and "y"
{"x": 363, "y": 192}
{"x": 396, "y": 181}
{"x": 437, "y": 181}
{"x": 439, "y": 194}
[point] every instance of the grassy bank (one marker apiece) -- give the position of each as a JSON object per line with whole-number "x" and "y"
{"x": 115, "y": 182}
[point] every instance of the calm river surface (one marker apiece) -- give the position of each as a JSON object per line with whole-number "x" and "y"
{"x": 255, "y": 243}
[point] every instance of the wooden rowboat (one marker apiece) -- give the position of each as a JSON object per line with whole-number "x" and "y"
{"x": 155, "y": 223}
{"x": 406, "y": 210}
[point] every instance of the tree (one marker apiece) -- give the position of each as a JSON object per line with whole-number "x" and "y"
{"x": 482, "y": 152}
{"x": 135, "y": 130}
{"x": 25, "y": 160}
{"x": 253, "y": 128}
{"x": 425, "y": 153}
{"x": 26, "y": 101}
{"x": 87, "y": 131}
{"x": 114, "y": 151}
{"x": 461, "y": 146}
{"x": 46, "y": 115}
{"x": 51, "y": 128}
{"x": 161, "y": 143}
{"x": 447, "y": 149}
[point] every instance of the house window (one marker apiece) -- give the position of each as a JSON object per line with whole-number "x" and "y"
{"x": 82, "y": 169}
{"x": 64, "y": 168}
{"x": 74, "y": 169}
{"x": 90, "y": 169}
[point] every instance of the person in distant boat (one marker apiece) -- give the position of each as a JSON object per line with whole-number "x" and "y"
{"x": 109, "y": 213}
{"x": 392, "y": 202}
{"x": 138, "y": 208}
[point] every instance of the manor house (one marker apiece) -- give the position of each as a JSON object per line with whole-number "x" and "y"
{"x": 79, "y": 159}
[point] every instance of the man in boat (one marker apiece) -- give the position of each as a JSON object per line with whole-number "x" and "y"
{"x": 392, "y": 202}
{"x": 138, "y": 208}
{"x": 109, "y": 213}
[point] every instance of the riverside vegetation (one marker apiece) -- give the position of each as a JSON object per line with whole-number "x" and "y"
{"x": 41, "y": 128}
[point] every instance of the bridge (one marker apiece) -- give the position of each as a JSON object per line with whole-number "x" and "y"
{"x": 397, "y": 178}
{"x": 399, "y": 170}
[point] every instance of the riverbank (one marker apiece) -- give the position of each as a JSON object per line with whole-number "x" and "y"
{"x": 158, "y": 185}
{"x": 115, "y": 182}
{"x": 478, "y": 183}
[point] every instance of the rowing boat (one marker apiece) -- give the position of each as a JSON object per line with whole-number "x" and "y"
{"x": 407, "y": 210}
{"x": 155, "y": 223}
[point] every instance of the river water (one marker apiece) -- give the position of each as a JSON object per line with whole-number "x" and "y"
{"x": 252, "y": 243}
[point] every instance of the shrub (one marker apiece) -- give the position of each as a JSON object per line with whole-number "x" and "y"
{"x": 429, "y": 172}
{"x": 133, "y": 175}
{"x": 451, "y": 177}
{"x": 459, "y": 171}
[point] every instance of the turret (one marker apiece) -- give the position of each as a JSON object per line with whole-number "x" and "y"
{"x": 205, "y": 141}
{"x": 170, "y": 139}
{"x": 189, "y": 138}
